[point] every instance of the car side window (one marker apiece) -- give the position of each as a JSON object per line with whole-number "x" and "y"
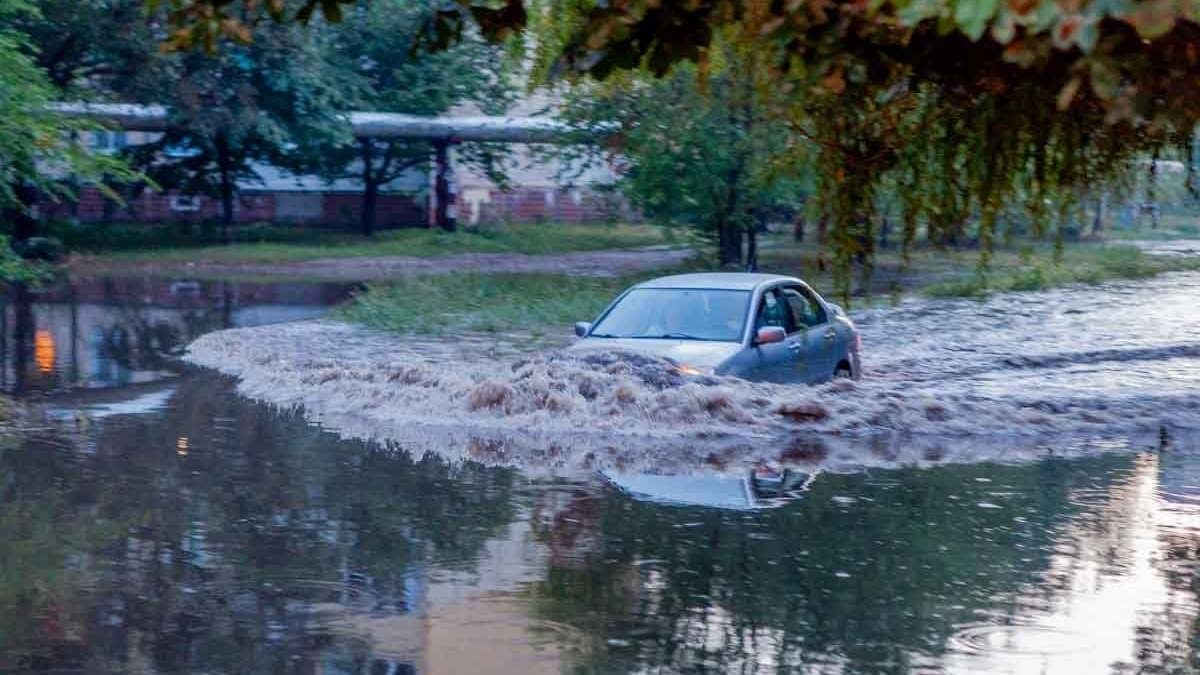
{"x": 771, "y": 312}
{"x": 806, "y": 310}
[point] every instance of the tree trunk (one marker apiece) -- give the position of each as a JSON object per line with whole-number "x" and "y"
{"x": 23, "y": 333}
{"x": 798, "y": 227}
{"x": 444, "y": 213}
{"x": 752, "y": 249}
{"x": 729, "y": 244}
{"x": 885, "y": 228}
{"x": 957, "y": 235}
{"x": 226, "y": 188}
{"x": 370, "y": 200}
{"x": 1098, "y": 219}
{"x": 370, "y": 196}
{"x": 23, "y": 216}
{"x": 1152, "y": 192}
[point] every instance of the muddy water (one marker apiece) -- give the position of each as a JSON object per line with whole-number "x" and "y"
{"x": 161, "y": 523}
{"x": 1012, "y": 378}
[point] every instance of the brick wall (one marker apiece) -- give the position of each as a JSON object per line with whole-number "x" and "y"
{"x": 155, "y": 207}
{"x": 343, "y": 209}
{"x": 331, "y": 209}
{"x": 538, "y": 204}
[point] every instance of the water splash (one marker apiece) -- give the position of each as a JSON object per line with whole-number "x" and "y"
{"x": 1005, "y": 375}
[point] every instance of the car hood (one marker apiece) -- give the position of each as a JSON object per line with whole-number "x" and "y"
{"x": 697, "y": 353}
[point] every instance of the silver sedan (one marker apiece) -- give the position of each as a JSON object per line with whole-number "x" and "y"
{"x": 755, "y": 326}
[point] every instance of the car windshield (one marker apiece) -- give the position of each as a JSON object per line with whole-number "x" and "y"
{"x": 677, "y": 313}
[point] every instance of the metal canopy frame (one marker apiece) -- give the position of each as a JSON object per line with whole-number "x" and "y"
{"x": 441, "y": 132}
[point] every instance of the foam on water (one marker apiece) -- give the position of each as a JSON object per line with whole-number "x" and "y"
{"x": 1007, "y": 378}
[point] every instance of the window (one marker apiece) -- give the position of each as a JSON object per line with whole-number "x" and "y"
{"x": 106, "y": 141}
{"x": 677, "y": 313}
{"x": 99, "y": 140}
{"x": 183, "y": 203}
{"x": 806, "y": 309}
{"x": 771, "y": 312}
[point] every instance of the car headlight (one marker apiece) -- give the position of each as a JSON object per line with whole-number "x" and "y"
{"x": 685, "y": 369}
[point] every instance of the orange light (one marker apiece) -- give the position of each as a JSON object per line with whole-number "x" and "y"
{"x": 43, "y": 351}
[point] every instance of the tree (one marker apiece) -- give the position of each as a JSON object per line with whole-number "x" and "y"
{"x": 379, "y": 70}
{"x": 697, "y": 148}
{"x": 95, "y": 47}
{"x": 37, "y": 148}
{"x": 234, "y": 108}
{"x": 1002, "y": 100}
{"x": 206, "y": 23}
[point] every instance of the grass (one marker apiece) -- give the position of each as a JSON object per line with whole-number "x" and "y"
{"x": 540, "y": 303}
{"x": 312, "y": 245}
{"x": 485, "y": 303}
{"x": 948, "y": 273}
{"x": 1091, "y": 264}
{"x": 1170, "y": 227}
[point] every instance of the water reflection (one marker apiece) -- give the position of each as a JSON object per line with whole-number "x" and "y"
{"x": 759, "y": 487}
{"x": 219, "y": 536}
{"x": 959, "y": 569}
{"x": 158, "y": 523}
{"x": 215, "y": 535}
{"x": 113, "y": 332}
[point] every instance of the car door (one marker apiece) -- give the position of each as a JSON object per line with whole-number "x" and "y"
{"x": 774, "y": 362}
{"x": 812, "y": 336}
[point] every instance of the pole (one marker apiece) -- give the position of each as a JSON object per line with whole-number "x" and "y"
{"x": 444, "y": 188}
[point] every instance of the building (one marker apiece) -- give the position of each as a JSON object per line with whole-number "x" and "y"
{"x": 539, "y": 188}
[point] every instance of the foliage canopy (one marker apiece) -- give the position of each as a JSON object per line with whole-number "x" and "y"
{"x": 38, "y": 151}
{"x": 370, "y": 66}
{"x": 972, "y": 108}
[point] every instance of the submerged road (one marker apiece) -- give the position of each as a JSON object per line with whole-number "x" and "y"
{"x": 1079, "y": 368}
{"x": 160, "y": 523}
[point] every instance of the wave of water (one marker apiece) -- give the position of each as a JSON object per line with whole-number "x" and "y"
{"x": 1017, "y": 376}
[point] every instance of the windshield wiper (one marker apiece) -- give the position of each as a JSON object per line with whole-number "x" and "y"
{"x": 602, "y": 335}
{"x": 680, "y": 336}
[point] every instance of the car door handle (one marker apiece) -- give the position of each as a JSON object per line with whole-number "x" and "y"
{"x": 794, "y": 346}
{"x": 831, "y": 335}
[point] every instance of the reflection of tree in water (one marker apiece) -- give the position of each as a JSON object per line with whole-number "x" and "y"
{"x": 860, "y": 572}
{"x": 223, "y": 536}
{"x": 136, "y": 340}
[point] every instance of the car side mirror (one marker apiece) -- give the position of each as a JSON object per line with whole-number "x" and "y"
{"x": 582, "y": 328}
{"x": 837, "y": 309}
{"x": 769, "y": 335}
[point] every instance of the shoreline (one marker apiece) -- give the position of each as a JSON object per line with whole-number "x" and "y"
{"x": 381, "y": 268}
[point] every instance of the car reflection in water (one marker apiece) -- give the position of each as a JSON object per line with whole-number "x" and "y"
{"x": 761, "y": 487}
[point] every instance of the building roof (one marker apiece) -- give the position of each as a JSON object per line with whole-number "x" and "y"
{"x": 496, "y": 128}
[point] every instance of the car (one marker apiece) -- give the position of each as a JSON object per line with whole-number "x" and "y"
{"x": 758, "y": 488}
{"x": 762, "y": 327}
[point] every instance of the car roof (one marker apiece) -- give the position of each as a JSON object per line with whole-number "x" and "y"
{"x": 742, "y": 281}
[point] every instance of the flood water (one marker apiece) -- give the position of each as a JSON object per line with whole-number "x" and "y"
{"x": 159, "y": 523}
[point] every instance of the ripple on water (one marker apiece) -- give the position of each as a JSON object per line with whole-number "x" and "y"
{"x": 1019, "y": 640}
{"x": 1090, "y": 498}
{"x": 319, "y": 599}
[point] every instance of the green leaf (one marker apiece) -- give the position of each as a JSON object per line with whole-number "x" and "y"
{"x": 973, "y": 16}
